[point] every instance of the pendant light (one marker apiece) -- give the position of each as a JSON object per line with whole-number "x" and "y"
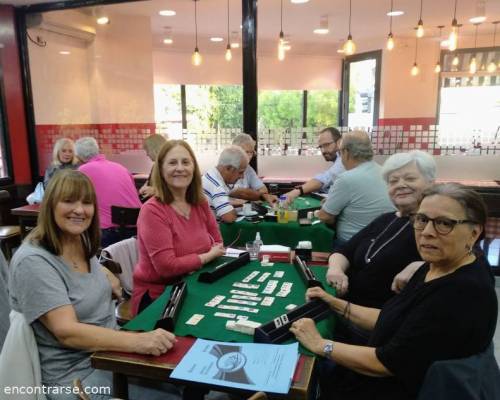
{"x": 228, "y": 56}
{"x": 414, "y": 70}
{"x": 196, "y": 58}
{"x": 349, "y": 45}
{"x": 281, "y": 39}
{"x": 420, "y": 24}
{"x": 492, "y": 66}
{"x": 473, "y": 61}
{"x": 437, "y": 68}
{"x": 453, "y": 38}
{"x": 390, "y": 37}
{"x": 456, "y": 60}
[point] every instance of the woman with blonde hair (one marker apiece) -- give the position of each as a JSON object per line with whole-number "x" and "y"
{"x": 66, "y": 295}
{"x": 176, "y": 230}
{"x": 152, "y": 145}
{"x": 63, "y": 156}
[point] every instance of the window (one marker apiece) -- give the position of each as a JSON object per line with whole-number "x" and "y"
{"x": 469, "y": 107}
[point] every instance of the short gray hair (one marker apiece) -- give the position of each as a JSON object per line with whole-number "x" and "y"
{"x": 86, "y": 148}
{"x": 243, "y": 138}
{"x": 358, "y": 144}
{"x": 232, "y": 156}
{"x": 424, "y": 161}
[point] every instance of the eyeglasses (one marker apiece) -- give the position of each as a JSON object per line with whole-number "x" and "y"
{"x": 325, "y": 145}
{"x": 442, "y": 225}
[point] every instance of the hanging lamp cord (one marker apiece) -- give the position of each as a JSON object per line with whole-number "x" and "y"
{"x": 227, "y": 21}
{"x": 390, "y": 22}
{"x": 350, "y": 14}
{"x": 195, "y": 24}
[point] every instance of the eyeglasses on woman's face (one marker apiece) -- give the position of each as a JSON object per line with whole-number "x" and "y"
{"x": 442, "y": 225}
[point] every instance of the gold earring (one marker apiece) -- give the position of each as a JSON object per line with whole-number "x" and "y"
{"x": 468, "y": 247}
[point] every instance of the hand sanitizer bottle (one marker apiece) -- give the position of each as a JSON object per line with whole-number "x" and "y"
{"x": 257, "y": 243}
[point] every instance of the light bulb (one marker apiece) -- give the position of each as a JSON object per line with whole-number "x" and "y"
{"x": 414, "y": 70}
{"x": 229, "y": 55}
{"x": 281, "y": 51}
{"x": 437, "y": 68}
{"x": 420, "y": 29}
{"x": 455, "y": 61}
{"x": 390, "y": 42}
{"x": 492, "y": 67}
{"x": 453, "y": 39}
{"x": 349, "y": 46}
{"x": 196, "y": 58}
{"x": 473, "y": 65}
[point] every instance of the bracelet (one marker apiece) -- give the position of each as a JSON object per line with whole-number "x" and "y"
{"x": 347, "y": 310}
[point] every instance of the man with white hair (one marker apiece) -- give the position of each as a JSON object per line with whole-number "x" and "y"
{"x": 250, "y": 187}
{"x": 359, "y": 195}
{"x": 231, "y": 166}
{"x": 113, "y": 184}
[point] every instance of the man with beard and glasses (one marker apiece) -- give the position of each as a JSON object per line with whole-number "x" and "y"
{"x": 328, "y": 141}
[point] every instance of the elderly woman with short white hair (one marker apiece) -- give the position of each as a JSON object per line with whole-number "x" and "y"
{"x": 363, "y": 269}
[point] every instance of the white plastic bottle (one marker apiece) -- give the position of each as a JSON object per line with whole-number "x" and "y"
{"x": 257, "y": 243}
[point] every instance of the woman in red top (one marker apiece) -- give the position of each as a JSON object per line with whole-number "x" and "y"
{"x": 177, "y": 232}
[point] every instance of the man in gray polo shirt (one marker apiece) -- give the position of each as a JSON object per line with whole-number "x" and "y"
{"x": 359, "y": 195}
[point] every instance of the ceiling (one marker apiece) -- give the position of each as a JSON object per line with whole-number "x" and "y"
{"x": 369, "y": 20}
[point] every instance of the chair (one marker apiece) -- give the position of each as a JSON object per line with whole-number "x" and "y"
{"x": 473, "y": 378}
{"x": 10, "y": 235}
{"x": 122, "y": 256}
{"x": 125, "y": 218}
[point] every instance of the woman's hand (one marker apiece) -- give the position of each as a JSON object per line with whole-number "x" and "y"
{"x": 116, "y": 286}
{"x": 217, "y": 250}
{"x": 306, "y": 333}
{"x": 401, "y": 279}
{"x": 318, "y": 293}
{"x": 338, "y": 279}
{"x": 154, "y": 343}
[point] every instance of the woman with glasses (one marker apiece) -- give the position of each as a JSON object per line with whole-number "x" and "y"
{"x": 363, "y": 269}
{"x": 448, "y": 309}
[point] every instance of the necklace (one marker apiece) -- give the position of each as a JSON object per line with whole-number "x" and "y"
{"x": 368, "y": 258}
{"x": 183, "y": 213}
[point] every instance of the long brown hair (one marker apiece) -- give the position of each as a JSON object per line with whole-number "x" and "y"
{"x": 194, "y": 194}
{"x": 66, "y": 185}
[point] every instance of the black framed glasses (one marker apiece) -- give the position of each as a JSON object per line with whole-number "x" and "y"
{"x": 442, "y": 225}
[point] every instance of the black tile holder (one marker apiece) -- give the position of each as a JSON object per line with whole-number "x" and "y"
{"x": 173, "y": 306}
{"x": 224, "y": 269}
{"x": 278, "y": 330}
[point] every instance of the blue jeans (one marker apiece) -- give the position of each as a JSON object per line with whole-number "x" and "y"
{"x": 101, "y": 382}
{"x": 337, "y": 244}
{"x": 113, "y": 235}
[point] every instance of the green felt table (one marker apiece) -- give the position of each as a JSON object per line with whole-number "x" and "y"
{"x": 289, "y": 234}
{"x": 212, "y": 327}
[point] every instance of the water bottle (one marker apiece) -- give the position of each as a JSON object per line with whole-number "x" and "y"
{"x": 282, "y": 214}
{"x": 257, "y": 243}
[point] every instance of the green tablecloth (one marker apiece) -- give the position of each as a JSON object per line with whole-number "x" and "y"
{"x": 212, "y": 327}
{"x": 273, "y": 233}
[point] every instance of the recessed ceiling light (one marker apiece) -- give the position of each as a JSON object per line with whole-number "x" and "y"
{"x": 64, "y": 52}
{"x": 216, "y": 39}
{"x": 299, "y": 1}
{"x": 235, "y": 45}
{"x": 340, "y": 51}
{"x": 167, "y": 13}
{"x": 445, "y": 43}
{"x": 321, "y": 31}
{"x": 477, "y": 20}
{"x": 103, "y": 20}
{"x": 395, "y": 13}
{"x": 168, "y": 41}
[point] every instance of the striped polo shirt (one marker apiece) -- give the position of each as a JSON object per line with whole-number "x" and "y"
{"x": 217, "y": 192}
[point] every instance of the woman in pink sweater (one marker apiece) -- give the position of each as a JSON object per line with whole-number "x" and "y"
{"x": 177, "y": 232}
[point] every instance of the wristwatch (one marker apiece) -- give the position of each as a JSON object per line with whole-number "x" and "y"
{"x": 327, "y": 349}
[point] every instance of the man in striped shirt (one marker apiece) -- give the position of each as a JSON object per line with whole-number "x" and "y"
{"x": 231, "y": 166}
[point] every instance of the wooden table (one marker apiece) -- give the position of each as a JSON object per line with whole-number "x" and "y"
{"x": 27, "y": 216}
{"x": 159, "y": 368}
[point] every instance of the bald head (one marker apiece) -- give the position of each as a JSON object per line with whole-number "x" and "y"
{"x": 358, "y": 145}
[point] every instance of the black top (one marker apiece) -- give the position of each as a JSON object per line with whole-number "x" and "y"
{"x": 450, "y": 317}
{"x": 370, "y": 283}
